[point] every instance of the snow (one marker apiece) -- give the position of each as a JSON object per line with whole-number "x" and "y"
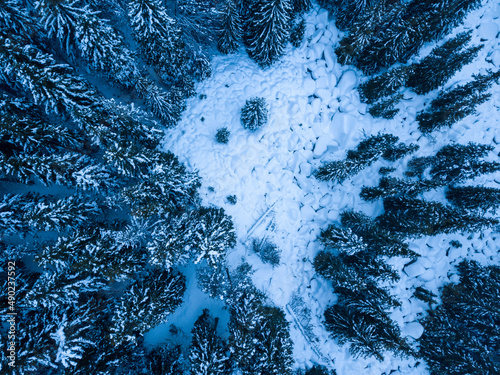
{"x": 315, "y": 116}
{"x": 413, "y": 329}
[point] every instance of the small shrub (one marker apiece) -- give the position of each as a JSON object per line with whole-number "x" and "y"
{"x": 222, "y": 135}
{"x": 254, "y": 113}
{"x": 232, "y": 199}
{"x": 267, "y": 251}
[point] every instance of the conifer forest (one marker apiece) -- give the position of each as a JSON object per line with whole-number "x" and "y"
{"x": 250, "y": 187}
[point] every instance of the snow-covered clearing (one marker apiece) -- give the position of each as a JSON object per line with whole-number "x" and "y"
{"x": 315, "y": 115}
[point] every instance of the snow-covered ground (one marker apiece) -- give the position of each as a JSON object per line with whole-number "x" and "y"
{"x": 315, "y": 115}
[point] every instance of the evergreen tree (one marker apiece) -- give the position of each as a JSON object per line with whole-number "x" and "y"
{"x": 159, "y": 36}
{"x": 207, "y": 352}
{"x": 389, "y": 32}
{"x": 461, "y": 335}
{"x": 383, "y": 85}
{"x": 267, "y": 30}
{"x": 96, "y": 251}
{"x": 165, "y": 360}
{"x": 367, "y": 152}
{"x": 418, "y": 217}
{"x": 254, "y": 113}
{"x": 146, "y": 304}
{"x": 452, "y": 105}
{"x": 454, "y": 163}
{"x": 391, "y": 186}
{"x": 474, "y": 197}
{"x": 441, "y": 64}
{"x": 231, "y": 30}
{"x": 385, "y": 108}
{"x": 24, "y": 213}
{"x": 213, "y": 236}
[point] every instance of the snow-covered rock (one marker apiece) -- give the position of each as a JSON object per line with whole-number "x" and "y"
{"x": 413, "y": 329}
{"x": 347, "y": 82}
{"x": 488, "y": 31}
{"x": 309, "y": 86}
{"x": 414, "y": 270}
{"x": 323, "y": 17}
{"x": 321, "y": 145}
{"x": 494, "y": 58}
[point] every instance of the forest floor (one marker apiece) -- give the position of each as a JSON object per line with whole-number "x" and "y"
{"x": 315, "y": 115}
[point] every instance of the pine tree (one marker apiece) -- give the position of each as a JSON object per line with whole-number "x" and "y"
{"x": 267, "y": 30}
{"x": 391, "y": 186}
{"x": 165, "y": 360}
{"x": 254, "y": 113}
{"x": 207, "y": 353}
{"x": 452, "y": 105}
{"x": 367, "y": 152}
{"x": 389, "y": 32}
{"x": 80, "y": 28}
{"x": 418, "y": 217}
{"x": 159, "y": 36}
{"x": 214, "y": 235}
{"x": 96, "y": 251}
{"x": 455, "y": 163}
{"x": 231, "y": 30}
{"x": 461, "y": 334}
{"x": 24, "y": 213}
{"x": 474, "y": 197}
{"x": 146, "y": 304}
{"x": 441, "y": 64}
{"x": 383, "y": 85}
{"x": 385, "y": 108}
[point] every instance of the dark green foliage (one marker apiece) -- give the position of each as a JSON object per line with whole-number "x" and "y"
{"x": 231, "y": 28}
{"x": 320, "y": 370}
{"x": 297, "y": 33}
{"x": 353, "y": 262}
{"x": 339, "y": 170}
{"x": 222, "y": 135}
{"x": 399, "y": 150}
{"x": 386, "y": 84}
{"x": 462, "y": 334}
{"x": 454, "y": 104}
{"x": 232, "y": 199}
{"x": 367, "y": 152}
{"x": 254, "y": 113}
{"x": 259, "y": 336}
{"x": 208, "y": 353}
{"x": 474, "y": 197}
{"x": 424, "y": 295}
{"x": 417, "y": 217}
{"x": 267, "y": 30}
{"x": 385, "y": 108}
{"x": 441, "y": 64}
{"x": 454, "y": 163}
{"x": 197, "y": 235}
{"x": 346, "y": 12}
{"x": 427, "y": 75}
{"x": 146, "y": 304}
{"x": 361, "y": 319}
{"x": 385, "y": 33}
{"x": 165, "y": 360}
{"x": 384, "y": 171}
{"x": 391, "y": 186}
{"x": 267, "y": 251}
{"x": 301, "y": 6}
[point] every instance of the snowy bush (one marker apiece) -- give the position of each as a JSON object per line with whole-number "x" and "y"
{"x": 254, "y": 113}
{"x": 222, "y": 135}
{"x": 267, "y": 251}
